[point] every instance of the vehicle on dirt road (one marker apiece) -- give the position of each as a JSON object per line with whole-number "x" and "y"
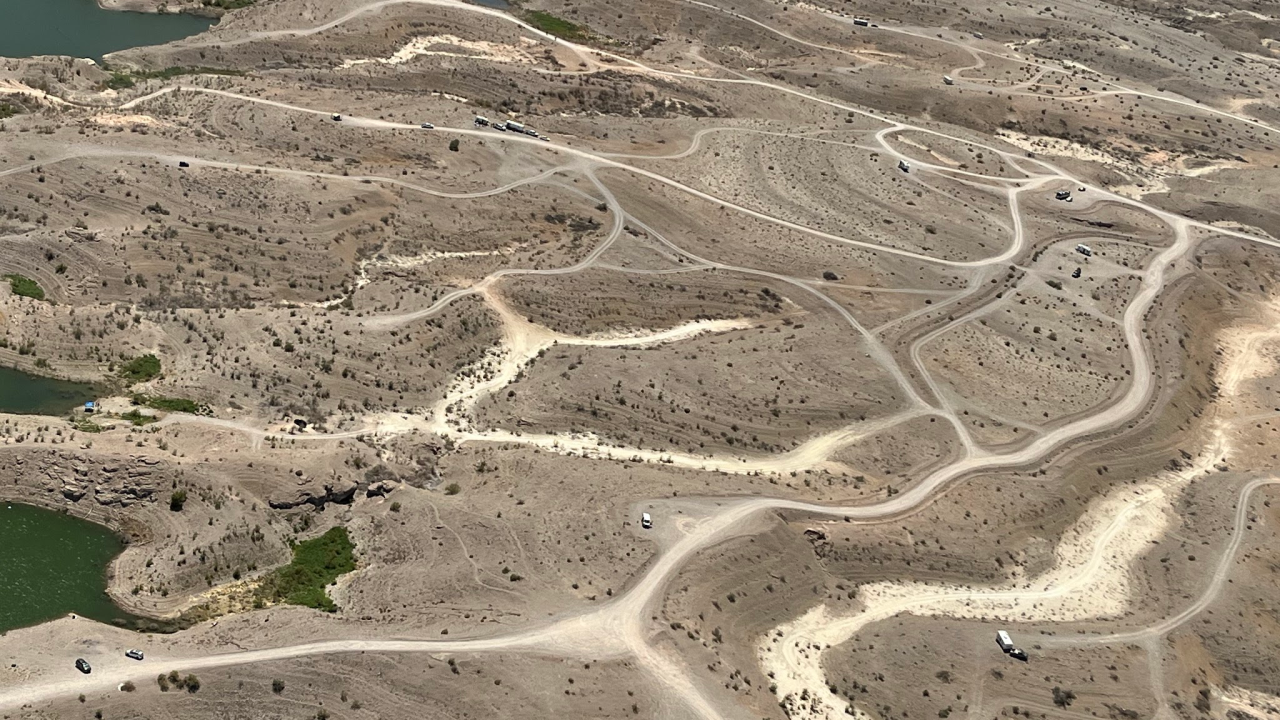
{"x": 133, "y": 654}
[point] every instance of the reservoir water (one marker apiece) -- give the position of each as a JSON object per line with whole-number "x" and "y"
{"x": 80, "y": 28}
{"x": 52, "y": 564}
{"x": 26, "y": 394}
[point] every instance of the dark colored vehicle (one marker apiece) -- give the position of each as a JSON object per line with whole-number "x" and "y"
{"x": 1075, "y": 273}
{"x": 134, "y": 654}
{"x": 1019, "y": 654}
{"x": 183, "y": 163}
{"x": 83, "y": 666}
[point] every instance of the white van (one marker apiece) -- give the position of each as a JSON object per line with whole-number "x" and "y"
{"x": 646, "y": 522}
{"x": 1004, "y": 641}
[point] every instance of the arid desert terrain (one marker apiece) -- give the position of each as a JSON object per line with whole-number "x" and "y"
{"x": 715, "y": 359}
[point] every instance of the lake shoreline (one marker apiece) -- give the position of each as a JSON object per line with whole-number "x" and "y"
{"x": 106, "y": 521}
{"x": 161, "y": 7}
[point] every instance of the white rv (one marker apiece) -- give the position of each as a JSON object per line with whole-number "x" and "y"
{"x": 1004, "y": 641}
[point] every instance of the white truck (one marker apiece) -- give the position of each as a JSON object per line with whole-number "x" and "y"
{"x": 904, "y": 166}
{"x": 1084, "y": 250}
{"x": 1004, "y": 641}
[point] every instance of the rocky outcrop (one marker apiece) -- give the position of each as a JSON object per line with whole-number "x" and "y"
{"x": 115, "y": 482}
{"x": 314, "y": 492}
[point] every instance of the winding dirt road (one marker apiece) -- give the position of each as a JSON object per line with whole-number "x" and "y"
{"x": 620, "y": 628}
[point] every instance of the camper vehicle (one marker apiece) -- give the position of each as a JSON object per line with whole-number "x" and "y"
{"x": 904, "y": 166}
{"x": 1004, "y": 641}
{"x": 1084, "y": 250}
{"x": 861, "y": 22}
{"x": 947, "y": 80}
{"x": 646, "y": 521}
{"x": 482, "y": 121}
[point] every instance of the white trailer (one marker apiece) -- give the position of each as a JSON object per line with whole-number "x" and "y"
{"x": 1084, "y": 250}
{"x": 861, "y": 23}
{"x": 1004, "y": 641}
{"x": 946, "y": 80}
{"x": 514, "y": 126}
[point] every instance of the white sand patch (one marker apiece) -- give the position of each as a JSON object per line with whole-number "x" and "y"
{"x": 1151, "y": 174}
{"x": 1254, "y": 703}
{"x": 447, "y": 46}
{"x": 13, "y": 87}
{"x": 127, "y": 120}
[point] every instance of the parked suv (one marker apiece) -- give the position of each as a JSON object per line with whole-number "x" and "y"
{"x": 83, "y": 666}
{"x": 134, "y": 654}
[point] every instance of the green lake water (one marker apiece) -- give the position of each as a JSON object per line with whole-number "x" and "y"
{"x": 26, "y": 394}
{"x": 80, "y": 28}
{"x": 52, "y": 564}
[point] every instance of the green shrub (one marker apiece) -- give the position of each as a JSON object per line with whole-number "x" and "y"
{"x": 169, "y": 404}
{"x": 552, "y": 25}
{"x": 453, "y": 489}
{"x": 139, "y": 419}
{"x": 316, "y": 563}
{"x": 25, "y": 286}
{"x": 141, "y": 369}
{"x": 177, "y": 500}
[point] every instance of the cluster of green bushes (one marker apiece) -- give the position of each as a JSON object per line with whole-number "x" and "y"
{"x": 228, "y": 4}
{"x": 123, "y": 79}
{"x": 25, "y": 286}
{"x": 139, "y": 418}
{"x": 140, "y": 369}
{"x": 558, "y": 26}
{"x": 170, "y": 404}
{"x": 316, "y": 563}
